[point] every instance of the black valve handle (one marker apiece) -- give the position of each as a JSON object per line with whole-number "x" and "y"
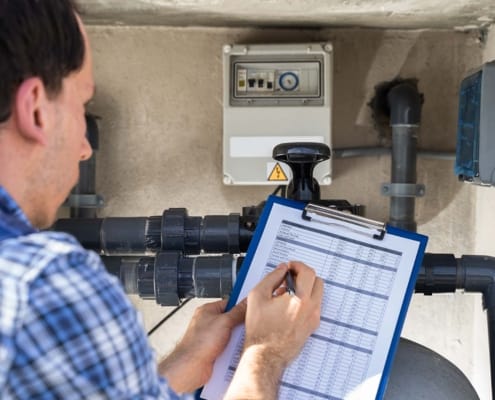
{"x": 302, "y": 158}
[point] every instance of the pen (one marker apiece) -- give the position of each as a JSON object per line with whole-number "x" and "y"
{"x": 290, "y": 283}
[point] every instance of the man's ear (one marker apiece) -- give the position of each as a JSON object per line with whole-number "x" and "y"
{"x": 31, "y": 110}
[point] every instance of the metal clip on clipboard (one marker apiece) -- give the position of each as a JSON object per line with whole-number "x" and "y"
{"x": 314, "y": 212}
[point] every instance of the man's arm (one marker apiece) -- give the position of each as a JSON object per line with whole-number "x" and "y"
{"x": 80, "y": 337}
{"x": 190, "y": 365}
{"x": 276, "y": 329}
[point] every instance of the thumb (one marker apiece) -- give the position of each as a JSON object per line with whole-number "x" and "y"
{"x": 237, "y": 314}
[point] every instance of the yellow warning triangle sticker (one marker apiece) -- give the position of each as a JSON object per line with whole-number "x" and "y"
{"x": 277, "y": 174}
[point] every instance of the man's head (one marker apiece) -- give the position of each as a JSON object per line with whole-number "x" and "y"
{"x": 45, "y": 80}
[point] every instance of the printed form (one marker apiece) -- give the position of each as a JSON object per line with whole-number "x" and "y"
{"x": 365, "y": 282}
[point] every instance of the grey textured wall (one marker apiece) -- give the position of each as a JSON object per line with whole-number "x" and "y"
{"x": 159, "y": 99}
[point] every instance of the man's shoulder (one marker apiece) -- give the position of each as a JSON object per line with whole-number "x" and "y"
{"x": 31, "y": 254}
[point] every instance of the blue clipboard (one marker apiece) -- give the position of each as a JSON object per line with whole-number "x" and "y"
{"x": 310, "y": 212}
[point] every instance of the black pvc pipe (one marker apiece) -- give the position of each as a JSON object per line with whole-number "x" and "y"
{"x": 350, "y": 152}
{"x": 402, "y": 208}
{"x": 438, "y": 274}
{"x": 443, "y": 273}
{"x": 114, "y": 235}
{"x": 479, "y": 276}
{"x": 404, "y": 102}
{"x": 87, "y": 172}
{"x": 87, "y": 231}
{"x": 171, "y": 277}
{"x": 172, "y": 231}
{"x": 85, "y": 186}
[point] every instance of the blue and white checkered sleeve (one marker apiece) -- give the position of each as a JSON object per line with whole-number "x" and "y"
{"x": 82, "y": 338}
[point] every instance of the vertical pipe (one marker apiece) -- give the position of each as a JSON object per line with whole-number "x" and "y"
{"x": 404, "y": 151}
{"x": 86, "y": 185}
{"x": 404, "y": 102}
{"x": 87, "y": 172}
{"x": 490, "y": 314}
{"x": 478, "y": 275}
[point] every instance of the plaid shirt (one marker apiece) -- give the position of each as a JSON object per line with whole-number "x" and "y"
{"x": 67, "y": 330}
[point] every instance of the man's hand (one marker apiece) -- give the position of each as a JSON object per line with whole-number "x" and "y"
{"x": 277, "y": 326}
{"x": 190, "y": 365}
{"x": 284, "y": 322}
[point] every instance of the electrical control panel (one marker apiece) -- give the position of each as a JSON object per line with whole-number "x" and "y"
{"x": 475, "y": 153}
{"x": 276, "y": 83}
{"x": 274, "y": 93}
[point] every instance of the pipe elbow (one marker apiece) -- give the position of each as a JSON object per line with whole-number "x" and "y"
{"x": 405, "y": 104}
{"x": 479, "y": 276}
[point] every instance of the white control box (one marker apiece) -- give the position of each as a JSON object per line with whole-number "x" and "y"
{"x": 272, "y": 94}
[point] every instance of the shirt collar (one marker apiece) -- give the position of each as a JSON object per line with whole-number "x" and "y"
{"x": 13, "y": 221}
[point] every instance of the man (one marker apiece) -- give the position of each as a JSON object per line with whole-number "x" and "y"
{"x": 67, "y": 330}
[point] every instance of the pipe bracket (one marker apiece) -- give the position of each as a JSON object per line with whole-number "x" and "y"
{"x": 403, "y": 190}
{"x": 84, "y": 201}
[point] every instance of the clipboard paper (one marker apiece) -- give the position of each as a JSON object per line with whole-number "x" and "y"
{"x": 369, "y": 273}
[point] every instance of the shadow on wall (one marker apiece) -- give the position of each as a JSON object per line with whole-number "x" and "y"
{"x": 439, "y": 61}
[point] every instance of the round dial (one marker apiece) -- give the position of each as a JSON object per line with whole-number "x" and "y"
{"x": 288, "y": 81}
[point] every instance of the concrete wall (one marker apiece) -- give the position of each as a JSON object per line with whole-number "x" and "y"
{"x": 159, "y": 97}
{"x": 406, "y": 14}
{"x": 489, "y": 52}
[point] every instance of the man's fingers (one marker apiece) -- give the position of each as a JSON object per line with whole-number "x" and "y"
{"x": 272, "y": 281}
{"x": 280, "y": 291}
{"x": 304, "y": 278}
{"x": 317, "y": 293}
{"x": 215, "y": 307}
{"x": 238, "y": 313}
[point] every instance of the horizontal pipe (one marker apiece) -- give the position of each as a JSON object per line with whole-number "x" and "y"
{"x": 170, "y": 277}
{"x": 439, "y": 273}
{"x": 175, "y": 230}
{"x": 350, "y": 152}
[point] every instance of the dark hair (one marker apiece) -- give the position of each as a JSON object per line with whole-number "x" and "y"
{"x": 38, "y": 38}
